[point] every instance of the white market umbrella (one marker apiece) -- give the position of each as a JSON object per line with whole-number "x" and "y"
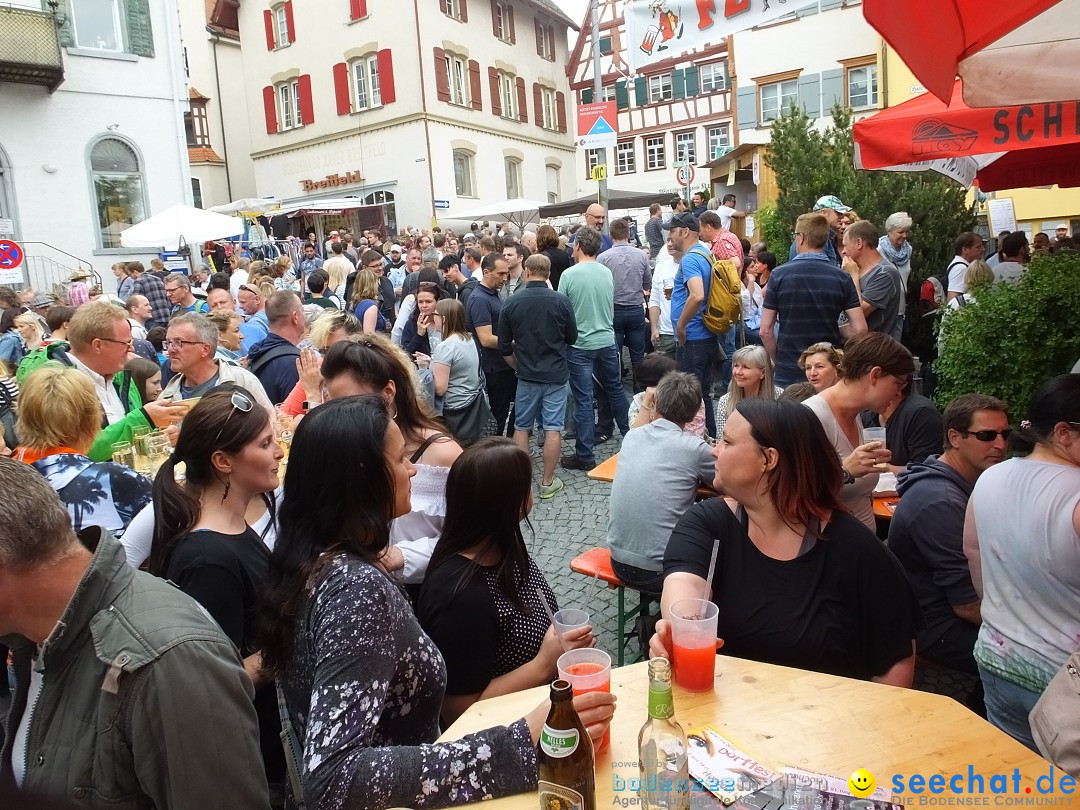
{"x": 519, "y": 211}
{"x": 248, "y": 207}
{"x": 193, "y": 225}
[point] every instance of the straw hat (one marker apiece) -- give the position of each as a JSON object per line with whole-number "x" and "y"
{"x": 79, "y": 275}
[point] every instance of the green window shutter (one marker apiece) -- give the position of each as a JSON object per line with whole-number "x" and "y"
{"x": 692, "y": 85}
{"x": 587, "y": 95}
{"x": 67, "y": 36}
{"x": 678, "y": 84}
{"x": 810, "y": 94}
{"x": 641, "y": 96}
{"x": 622, "y": 95}
{"x": 140, "y": 36}
{"x": 746, "y": 101}
{"x": 605, "y": 45}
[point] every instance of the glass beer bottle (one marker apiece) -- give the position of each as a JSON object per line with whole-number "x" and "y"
{"x": 564, "y": 756}
{"x": 662, "y": 749}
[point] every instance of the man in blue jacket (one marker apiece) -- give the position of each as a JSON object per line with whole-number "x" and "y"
{"x": 273, "y": 360}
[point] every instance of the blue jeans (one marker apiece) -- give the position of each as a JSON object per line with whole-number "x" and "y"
{"x": 631, "y": 330}
{"x": 727, "y": 346}
{"x": 697, "y": 357}
{"x": 604, "y": 363}
{"x": 1008, "y": 706}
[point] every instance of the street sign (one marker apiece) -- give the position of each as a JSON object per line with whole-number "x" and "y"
{"x": 7, "y": 227}
{"x": 684, "y": 175}
{"x": 442, "y": 204}
{"x": 11, "y": 259}
{"x": 599, "y": 173}
{"x": 597, "y": 125}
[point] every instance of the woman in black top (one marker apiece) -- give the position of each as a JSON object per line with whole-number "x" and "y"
{"x": 481, "y": 600}
{"x": 202, "y": 542}
{"x": 417, "y": 331}
{"x": 547, "y": 242}
{"x": 799, "y": 582}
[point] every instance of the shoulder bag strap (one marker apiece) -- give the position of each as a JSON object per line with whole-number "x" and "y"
{"x": 291, "y": 744}
{"x": 430, "y": 440}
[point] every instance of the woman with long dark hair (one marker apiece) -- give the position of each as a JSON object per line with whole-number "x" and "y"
{"x": 202, "y": 541}
{"x": 799, "y": 582}
{"x": 420, "y": 333}
{"x": 362, "y": 681}
{"x": 481, "y": 602}
{"x": 1022, "y": 539}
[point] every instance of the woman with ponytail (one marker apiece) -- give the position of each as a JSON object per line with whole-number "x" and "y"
{"x": 202, "y": 541}
{"x": 1022, "y": 540}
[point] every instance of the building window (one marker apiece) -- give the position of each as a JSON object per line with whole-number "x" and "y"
{"x": 655, "y": 157}
{"x": 624, "y": 158}
{"x": 503, "y": 21}
{"x": 513, "y": 178}
{"x": 96, "y": 24}
{"x": 777, "y": 97}
{"x": 281, "y": 26}
{"x": 118, "y": 189}
{"x": 660, "y": 88}
{"x": 592, "y": 160}
{"x": 607, "y": 92}
{"x": 686, "y": 147}
{"x": 196, "y": 192}
{"x": 456, "y": 73}
{"x": 719, "y": 140}
{"x": 453, "y": 9}
{"x": 366, "y": 94}
{"x": 545, "y": 41}
{"x": 289, "y": 105}
{"x": 862, "y": 87}
{"x": 508, "y": 96}
{"x": 713, "y": 77}
{"x": 196, "y": 125}
{"x": 547, "y": 96}
{"x": 552, "y": 184}
{"x": 463, "y": 174}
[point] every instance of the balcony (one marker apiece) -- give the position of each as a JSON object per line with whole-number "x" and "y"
{"x": 30, "y": 48}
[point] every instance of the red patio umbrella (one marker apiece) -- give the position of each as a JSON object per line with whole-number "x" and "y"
{"x": 1005, "y": 147}
{"x": 1006, "y": 51}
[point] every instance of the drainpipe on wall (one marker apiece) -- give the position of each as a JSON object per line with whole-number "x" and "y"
{"x": 423, "y": 110}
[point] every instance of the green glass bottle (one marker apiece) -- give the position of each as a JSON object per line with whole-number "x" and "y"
{"x": 662, "y": 749}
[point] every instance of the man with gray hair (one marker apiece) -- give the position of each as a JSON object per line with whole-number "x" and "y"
{"x": 657, "y": 457}
{"x": 191, "y": 345}
{"x": 178, "y": 291}
{"x": 118, "y": 675}
{"x": 273, "y": 360}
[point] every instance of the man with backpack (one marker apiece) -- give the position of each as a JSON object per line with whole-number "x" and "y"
{"x": 724, "y": 245}
{"x": 696, "y": 348}
{"x": 273, "y": 360}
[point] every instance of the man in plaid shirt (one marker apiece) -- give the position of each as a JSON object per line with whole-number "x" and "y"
{"x": 153, "y": 288}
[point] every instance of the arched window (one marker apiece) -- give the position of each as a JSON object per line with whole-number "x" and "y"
{"x": 118, "y": 189}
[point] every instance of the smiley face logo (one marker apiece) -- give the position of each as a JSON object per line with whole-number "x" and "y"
{"x": 861, "y": 783}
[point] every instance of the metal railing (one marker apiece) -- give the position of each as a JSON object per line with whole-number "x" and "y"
{"x": 48, "y": 267}
{"x": 30, "y": 47}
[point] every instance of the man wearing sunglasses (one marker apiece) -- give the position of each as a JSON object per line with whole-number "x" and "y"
{"x": 927, "y": 530}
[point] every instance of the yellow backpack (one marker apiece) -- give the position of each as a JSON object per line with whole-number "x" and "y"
{"x": 723, "y": 308}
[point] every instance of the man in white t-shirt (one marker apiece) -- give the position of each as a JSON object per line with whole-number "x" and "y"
{"x": 969, "y": 247}
{"x": 663, "y": 282}
{"x": 727, "y": 211}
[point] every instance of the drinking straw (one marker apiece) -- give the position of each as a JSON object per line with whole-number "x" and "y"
{"x": 551, "y": 616}
{"x": 712, "y": 570}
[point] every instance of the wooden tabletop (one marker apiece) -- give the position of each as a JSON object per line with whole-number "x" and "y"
{"x": 793, "y": 718}
{"x": 605, "y": 471}
{"x": 885, "y": 505}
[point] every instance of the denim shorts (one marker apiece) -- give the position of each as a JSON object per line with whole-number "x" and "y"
{"x": 544, "y": 400}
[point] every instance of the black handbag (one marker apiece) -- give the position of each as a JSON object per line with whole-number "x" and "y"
{"x": 469, "y": 424}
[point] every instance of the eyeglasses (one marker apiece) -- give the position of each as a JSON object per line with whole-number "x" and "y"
{"x": 251, "y": 290}
{"x": 128, "y": 343}
{"x": 988, "y": 435}
{"x": 180, "y": 344}
{"x": 375, "y": 266}
{"x": 823, "y": 346}
{"x": 240, "y": 402}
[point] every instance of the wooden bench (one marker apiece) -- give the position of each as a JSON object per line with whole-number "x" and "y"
{"x": 596, "y": 563}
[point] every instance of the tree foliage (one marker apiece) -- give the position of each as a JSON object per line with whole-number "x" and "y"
{"x": 1015, "y": 337}
{"x": 809, "y": 163}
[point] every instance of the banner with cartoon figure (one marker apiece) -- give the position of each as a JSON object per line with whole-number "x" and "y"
{"x": 660, "y": 29}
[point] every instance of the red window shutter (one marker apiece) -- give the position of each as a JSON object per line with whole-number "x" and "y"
{"x": 474, "y": 85}
{"x": 289, "y": 22}
{"x": 386, "y": 76}
{"x": 357, "y": 9}
{"x": 523, "y": 102}
{"x": 342, "y": 90}
{"x": 538, "y": 104}
{"x": 463, "y": 7}
{"x": 444, "y": 6}
{"x": 307, "y": 107}
{"x": 442, "y": 81}
{"x": 493, "y": 83}
{"x": 494, "y": 18}
{"x": 268, "y": 21}
{"x": 270, "y": 108}
{"x": 510, "y": 20}
{"x": 560, "y": 104}
{"x": 539, "y": 36}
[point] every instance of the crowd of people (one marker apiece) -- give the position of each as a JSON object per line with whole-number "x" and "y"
{"x": 350, "y": 468}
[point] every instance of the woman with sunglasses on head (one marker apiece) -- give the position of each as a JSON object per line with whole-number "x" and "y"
{"x": 876, "y": 369}
{"x": 822, "y": 363}
{"x": 370, "y": 364}
{"x": 363, "y": 683}
{"x": 1022, "y": 541}
{"x": 798, "y": 581}
{"x": 202, "y": 541}
{"x": 420, "y": 334}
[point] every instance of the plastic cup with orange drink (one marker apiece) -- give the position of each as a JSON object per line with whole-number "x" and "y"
{"x": 588, "y": 670}
{"x": 693, "y": 641}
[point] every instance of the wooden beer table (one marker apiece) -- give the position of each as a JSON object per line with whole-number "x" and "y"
{"x": 605, "y": 471}
{"x": 793, "y": 718}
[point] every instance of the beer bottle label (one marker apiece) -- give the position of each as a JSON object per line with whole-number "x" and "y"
{"x": 558, "y": 743}
{"x": 558, "y": 797}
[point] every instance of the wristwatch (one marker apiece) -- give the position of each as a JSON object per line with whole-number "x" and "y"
{"x": 848, "y": 477}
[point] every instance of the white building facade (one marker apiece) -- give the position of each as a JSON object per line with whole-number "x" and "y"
{"x": 93, "y": 139}
{"x": 676, "y": 111}
{"x": 396, "y": 113}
